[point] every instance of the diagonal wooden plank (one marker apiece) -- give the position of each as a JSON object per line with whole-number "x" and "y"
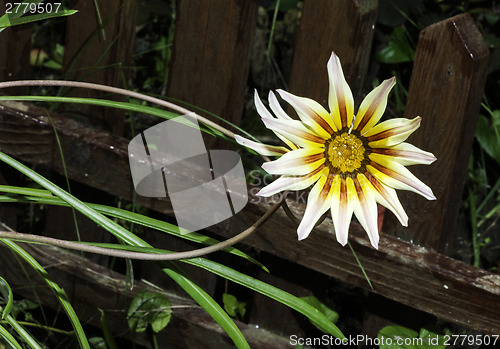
{"x": 446, "y": 89}
{"x": 401, "y": 271}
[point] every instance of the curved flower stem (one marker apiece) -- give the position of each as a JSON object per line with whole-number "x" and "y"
{"x": 121, "y": 91}
{"x": 129, "y": 254}
{"x": 143, "y": 255}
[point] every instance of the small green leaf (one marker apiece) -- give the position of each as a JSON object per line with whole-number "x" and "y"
{"x": 7, "y": 337}
{"x": 149, "y": 308}
{"x": 233, "y": 307}
{"x": 489, "y": 135}
{"x": 397, "y": 334}
{"x": 7, "y": 295}
{"x": 53, "y": 65}
{"x": 97, "y": 343}
{"x": 398, "y": 48}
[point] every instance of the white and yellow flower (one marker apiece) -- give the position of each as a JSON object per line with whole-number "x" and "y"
{"x": 353, "y": 162}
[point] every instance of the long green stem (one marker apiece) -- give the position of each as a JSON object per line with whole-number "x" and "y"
{"x": 140, "y": 255}
{"x": 473, "y": 220}
{"x": 110, "y": 89}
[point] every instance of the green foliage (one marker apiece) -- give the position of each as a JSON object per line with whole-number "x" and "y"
{"x": 106, "y": 330}
{"x": 488, "y": 134}
{"x": 149, "y": 309}
{"x": 330, "y": 314}
{"x": 233, "y": 307}
{"x": 404, "y": 338}
{"x": 7, "y": 297}
{"x": 97, "y": 343}
{"x": 398, "y": 48}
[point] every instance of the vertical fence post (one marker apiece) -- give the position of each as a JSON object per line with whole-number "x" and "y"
{"x": 211, "y": 55}
{"x": 15, "y": 46}
{"x": 446, "y": 89}
{"x": 93, "y": 53}
{"x": 343, "y": 26}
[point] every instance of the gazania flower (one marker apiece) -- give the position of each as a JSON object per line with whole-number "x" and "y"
{"x": 354, "y": 162}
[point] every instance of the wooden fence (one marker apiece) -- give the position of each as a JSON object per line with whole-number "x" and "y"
{"x": 210, "y": 71}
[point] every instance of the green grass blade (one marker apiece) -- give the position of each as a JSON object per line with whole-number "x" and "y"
{"x": 15, "y": 12}
{"x": 200, "y": 296}
{"x": 75, "y": 322}
{"x": 9, "y": 21}
{"x": 203, "y": 299}
{"x": 26, "y": 191}
{"x": 132, "y": 217}
{"x": 23, "y": 333}
{"x": 111, "y": 104}
{"x": 8, "y": 338}
{"x": 268, "y": 290}
{"x": 10, "y": 298}
{"x": 275, "y": 293}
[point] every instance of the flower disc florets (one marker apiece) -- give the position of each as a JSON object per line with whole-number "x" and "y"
{"x": 347, "y": 153}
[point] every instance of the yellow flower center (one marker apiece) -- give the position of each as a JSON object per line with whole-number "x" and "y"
{"x": 346, "y": 152}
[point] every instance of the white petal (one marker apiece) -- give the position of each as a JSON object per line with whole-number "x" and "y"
{"x": 295, "y": 131}
{"x": 318, "y": 202}
{"x": 391, "y": 132}
{"x": 342, "y": 204}
{"x": 398, "y": 177}
{"x": 263, "y": 149}
{"x": 388, "y": 198}
{"x": 266, "y": 115}
{"x": 290, "y": 183}
{"x": 365, "y": 208}
{"x": 406, "y": 154}
{"x": 261, "y": 109}
{"x": 276, "y": 107}
{"x": 311, "y": 113}
{"x": 373, "y": 106}
{"x": 340, "y": 98}
{"x": 296, "y": 162}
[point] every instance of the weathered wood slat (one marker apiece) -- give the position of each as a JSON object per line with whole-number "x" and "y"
{"x": 446, "y": 90}
{"x": 92, "y": 287}
{"x": 343, "y": 26}
{"x": 211, "y": 55}
{"x": 409, "y": 274}
{"x": 94, "y": 54}
{"x": 15, "y": 52}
